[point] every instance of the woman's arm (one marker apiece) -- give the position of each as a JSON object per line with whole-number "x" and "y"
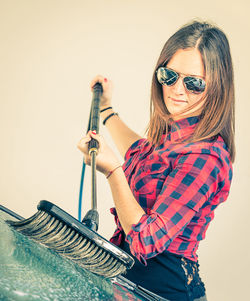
{"x": 127, "y": 208}
{"x": 129, "y": 211}
{"x": 122, "y": 135}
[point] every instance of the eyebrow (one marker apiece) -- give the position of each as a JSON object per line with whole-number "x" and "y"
{"x": 195, "y": 75}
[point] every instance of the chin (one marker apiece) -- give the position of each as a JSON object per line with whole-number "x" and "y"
{"x": 176, "y": 110}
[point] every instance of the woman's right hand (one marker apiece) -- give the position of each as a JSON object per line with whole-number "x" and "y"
{"x": 107, "y": 86}
{"x": 106, "y": 159}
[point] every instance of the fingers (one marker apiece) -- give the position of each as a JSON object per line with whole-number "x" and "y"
{"x": 106, "y": 83}
{"x": 107, "y": 87}
{"x": 99, "y": 79}
{"x": 83, "y": 143}
{"x": 94, "y": 135}
{"x": 106, "y": 160}
{"x": 87, "y": 160}
{"x": 85, "y": 140}
{"x": 83, "y": 147}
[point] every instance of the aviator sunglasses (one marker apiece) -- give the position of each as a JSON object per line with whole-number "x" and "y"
{"x": 169, "y": 77}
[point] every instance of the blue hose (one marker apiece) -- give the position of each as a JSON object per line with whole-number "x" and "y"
{"x": 80, "y": 192}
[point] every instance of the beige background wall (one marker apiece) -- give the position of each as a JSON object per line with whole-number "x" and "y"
{"x": 49, "y": 52}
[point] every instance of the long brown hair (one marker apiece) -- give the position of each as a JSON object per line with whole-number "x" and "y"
{"x": 218, "y": 112}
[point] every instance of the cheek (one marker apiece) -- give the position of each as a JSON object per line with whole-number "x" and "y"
{"x": 166, "y": 92}
{"x": 193, "y": 99}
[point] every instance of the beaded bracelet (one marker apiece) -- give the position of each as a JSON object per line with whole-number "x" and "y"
{"x": 103, "y": 110}
{"x": 109, "y": 116}
{"x": 110, "y": 173}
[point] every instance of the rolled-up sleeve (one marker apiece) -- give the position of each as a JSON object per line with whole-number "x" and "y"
{"x": 135, "y": 147}
{"x": 192, "y": 182}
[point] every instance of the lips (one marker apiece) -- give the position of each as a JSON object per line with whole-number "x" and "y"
{"x": 178, "y": 100}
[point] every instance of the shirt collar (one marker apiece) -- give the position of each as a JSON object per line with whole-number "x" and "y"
{"x": 182, "y": 128}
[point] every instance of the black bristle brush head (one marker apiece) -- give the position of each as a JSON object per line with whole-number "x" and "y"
{"x": 62, "y": 233}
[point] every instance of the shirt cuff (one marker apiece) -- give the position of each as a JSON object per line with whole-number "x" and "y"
{"x": 113, "y": 212}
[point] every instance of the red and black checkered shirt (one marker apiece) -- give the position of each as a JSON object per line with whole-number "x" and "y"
{"x": 178, "y": 185}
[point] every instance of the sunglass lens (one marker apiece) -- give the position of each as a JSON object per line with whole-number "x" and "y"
{"x": 196, "y": 85}
{"x": 166, "y": 76}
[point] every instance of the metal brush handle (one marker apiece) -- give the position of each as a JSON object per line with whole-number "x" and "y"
{"x": 93, "y": 144}
{"x": 10, "y": 212}
{"x": 91, "y": 219}
{"x": 95, "y": 116}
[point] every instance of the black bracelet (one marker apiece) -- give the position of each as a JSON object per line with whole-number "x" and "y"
{"x": 103, "y": 110}
{"x": 109, "y": 116}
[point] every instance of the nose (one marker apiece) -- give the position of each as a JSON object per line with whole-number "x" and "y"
{"x": 179, "y": 87}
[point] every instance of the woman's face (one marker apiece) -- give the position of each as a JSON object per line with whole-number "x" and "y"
{"x": 187, "y": 62}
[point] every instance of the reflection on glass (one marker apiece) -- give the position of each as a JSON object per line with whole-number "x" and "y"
{"x": 29, "y": 271}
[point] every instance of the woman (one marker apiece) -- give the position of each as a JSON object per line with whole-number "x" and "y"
{"x": 171, "y": 182}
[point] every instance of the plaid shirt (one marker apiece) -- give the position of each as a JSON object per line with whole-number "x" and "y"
{"x": 178, "y": 185}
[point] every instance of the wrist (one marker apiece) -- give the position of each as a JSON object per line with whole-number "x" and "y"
{"x": 106, "y": 111}
{"x": 108, "y": 117}
{"x": 112, "y": 171}
{"x": 105, "y": 108}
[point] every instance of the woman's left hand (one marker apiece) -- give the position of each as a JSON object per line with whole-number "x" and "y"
{"x": 106, "y": 160}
